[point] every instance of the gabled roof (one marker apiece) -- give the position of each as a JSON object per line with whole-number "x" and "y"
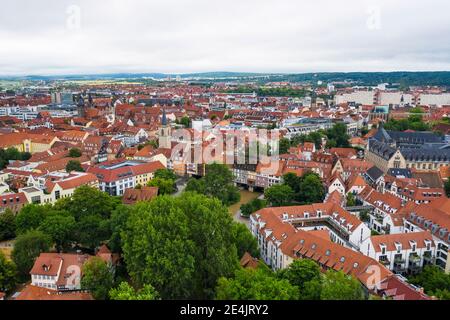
{"x": 374, "y": 173}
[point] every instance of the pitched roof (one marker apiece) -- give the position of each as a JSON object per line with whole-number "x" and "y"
{"x": 404, "y": 239}
{"x": 31, "y": 292}
{"x": 132, "y": 196}
{"x": 247, "y": 261}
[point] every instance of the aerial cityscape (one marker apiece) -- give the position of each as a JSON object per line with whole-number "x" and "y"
{"x": 165, "y": 179}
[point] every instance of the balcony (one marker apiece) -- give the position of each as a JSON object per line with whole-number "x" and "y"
{"x": 414, "y": 258}
{"x": 384, "y": 261}
{"x": 428, "y": 258}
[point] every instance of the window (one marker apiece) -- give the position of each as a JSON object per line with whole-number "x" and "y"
{"x": 342, "y": 259}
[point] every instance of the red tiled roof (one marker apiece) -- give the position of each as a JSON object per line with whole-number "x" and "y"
{"x": 31, "y": 292}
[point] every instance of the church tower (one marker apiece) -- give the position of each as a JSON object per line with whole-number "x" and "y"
{"x": 165, "y": 133}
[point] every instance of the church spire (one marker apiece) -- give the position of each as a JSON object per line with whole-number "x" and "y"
{"x": 164, "y": 118}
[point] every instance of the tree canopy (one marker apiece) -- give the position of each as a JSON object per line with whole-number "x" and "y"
{"x": 336, "y": 285}
{"x": 97, "y": 278}
{"x": 27, "y": 248}
{"x": 337, "y": 136}
{"x": 306, "y": 276}
{"x": 8, "y": 274}
{"x": 12, "y": 154}
{"x": 434, "y": 281}
{"x": 244, "y": 240}
{"x": 74, "y": 165}
{"x": 7, "y": 225}
{"x": 279, "y": 195}
{"x": 180, "y": 246}
{"x": 303, "y": 190}
{"x": 74, "y": 153}
{"x": 251, "y": 284}
{"x": 217, "y": 182}
{"x": 256, "y": 204}
{"x": 125, "y": 292}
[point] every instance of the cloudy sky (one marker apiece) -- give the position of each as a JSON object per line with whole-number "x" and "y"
{"x": 181, "y": 36}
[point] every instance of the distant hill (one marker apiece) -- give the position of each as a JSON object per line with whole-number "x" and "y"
{"x": 439, "y": 78}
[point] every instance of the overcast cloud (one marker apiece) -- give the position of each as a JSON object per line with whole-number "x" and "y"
{"x": 181, "y": 36}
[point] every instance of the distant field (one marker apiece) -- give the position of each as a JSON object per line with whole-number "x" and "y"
{"x": 101, "y": 82}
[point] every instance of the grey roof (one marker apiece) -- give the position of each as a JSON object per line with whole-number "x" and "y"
{"x": 400, "y": 173}
{"x": 382, "y": 149}
{"x": 407, "y": 139}
{"x": 414, "y": 146}
{"x": 374, "y": 173}
{"x": 427, "y": 154}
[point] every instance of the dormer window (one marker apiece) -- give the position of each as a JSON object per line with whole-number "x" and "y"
{"x": 328, "y": 252}
{"x": 314, "y": 246}
{"x": 342, "y": 259}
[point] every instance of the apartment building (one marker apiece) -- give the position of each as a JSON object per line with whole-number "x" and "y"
{"x": 342, "y": 227}
{"x": 49, "y": 188}
{"x": 433, "y": 217}
{"x": 384, "y": 216}
{"x": 404, "y": 253}
{"x": 114, "y": 178}
{"x": 281, "y": 243}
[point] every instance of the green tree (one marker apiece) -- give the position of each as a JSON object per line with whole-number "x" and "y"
{"x": 256, "y": 204}
{"x": 434, "y": 281}
{"x": 218, "y": 183}
{"x": 8, "y": 274}
{"x": 27, "y": 248}
{"x": 125, "y": 292}
{"x": 60, "y": 228}
{"x": 447, "y": 188}
{"x": 91, "y": 230}
{"x": 336, "y": 285}
{"x": 338, "y": 134}
{"x": 311, "y": 189}
{"x": 259, "y": 284}
{"x": 285, "y": 144}
{"x": 87, "y": 201}
{"x": 165, "y": 186}
{"x": 185, "y": 121}
{"x": 293, "y": 181}
{"x": 30, "y": 217}
{"x": 351, "y": 200}
{"x": 7, "y": 225}
{"x": 97, "y": 278}
{"x": 306, "y": 276}
{"x": 165, "y": 174}
{"x": 196, "y": 185}
{"x": 74, "y": 165}
{"x": 244, "y": 240}
{"x": 364, "y": 216}
{"x": 118, "y": 223}
{"x": 74, "y": 153}
{"x": 279, "y": 195}
{"x": 180, "y": 246}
